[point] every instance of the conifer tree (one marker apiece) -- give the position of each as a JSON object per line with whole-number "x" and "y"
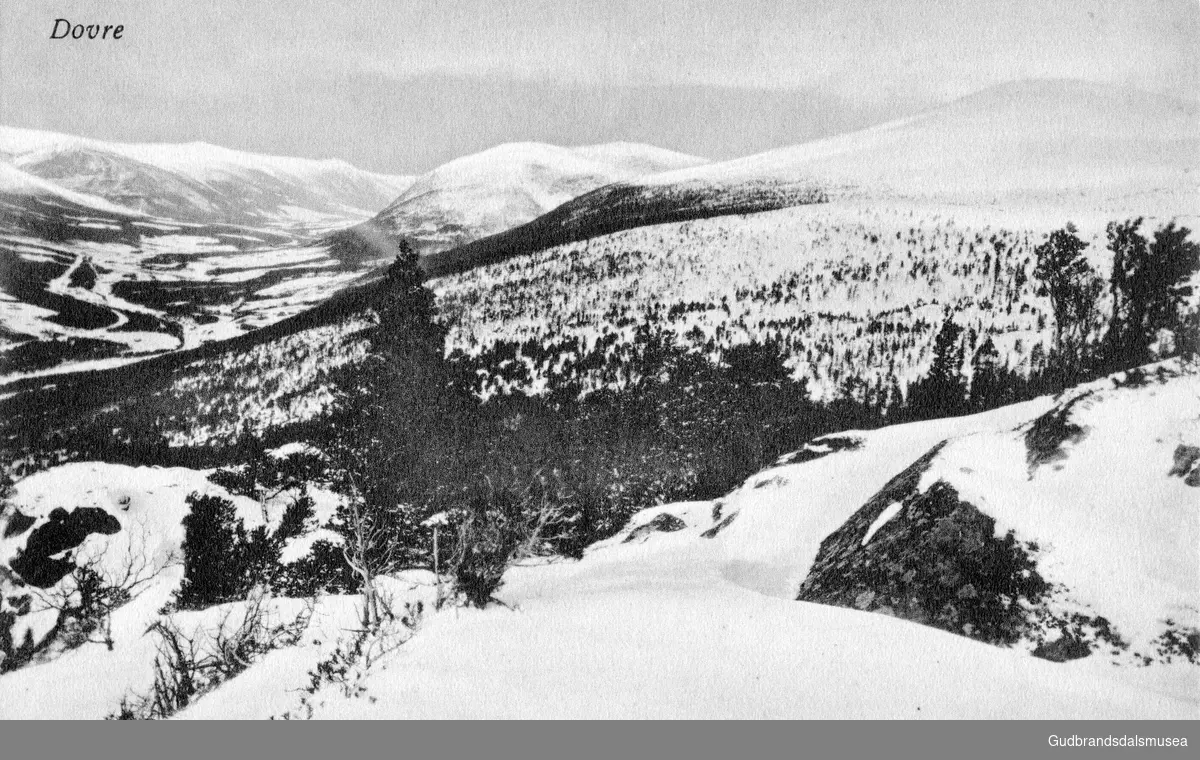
{"x": 943, "y": 392}
{"x": 393, "y": 431}
{"x": 1073, "y": 289}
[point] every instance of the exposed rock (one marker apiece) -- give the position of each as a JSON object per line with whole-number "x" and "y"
{"x": 63, "y": 531}
{"x": 1187, "y": 465}
{"x": 1066, "y": 647}
{"x": 663, "y": 523}
{"x": 1048, "y": 433}
{"x": 17, "y": 524}
{"x": 936, "y": 562}
{"x": 821, "y": 447}
{"x": 714, "y": 530}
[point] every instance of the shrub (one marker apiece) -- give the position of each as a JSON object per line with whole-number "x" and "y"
{"x": 190, "y": 665}
{"x": 221, "y": 561}
{"x": 499, "y": 526}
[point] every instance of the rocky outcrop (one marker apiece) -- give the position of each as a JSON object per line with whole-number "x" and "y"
{"x": 663, "y": 523}
{"x": 1186, "y": 465}
{"x": 37, "y": 564}
{"x": 934, "y": 558}
{"x": 17, "y": 523}
{"x": 1046, "y": 435}
{"x": 822, "y": 447}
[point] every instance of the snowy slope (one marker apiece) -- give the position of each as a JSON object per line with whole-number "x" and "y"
{"x": 695, "y": 618}
{"x": 1040, "y": 147}
{"x": 511, "y": 184}
{"x": 652, "y": 630}
{"x": 149, "y": 505}
{"x": 1059, "y": 141}
{"x": 700, "y": 622}
{"x": 16, "y": 183}
{"x": 1088, "y": 483}
{"x": 198, "y": 182}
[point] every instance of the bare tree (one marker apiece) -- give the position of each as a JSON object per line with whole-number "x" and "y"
{"x": 190, "y": 665}
{"x": 99, "y": 584}
{"x": 501, "y": 528}
{"x": 370, "y": 549}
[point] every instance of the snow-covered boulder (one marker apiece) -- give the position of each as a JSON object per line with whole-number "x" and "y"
{"x": 1073, "y": 533}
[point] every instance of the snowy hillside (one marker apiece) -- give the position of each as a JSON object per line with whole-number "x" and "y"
{"x": 16, "y": 183}
{"x": 690, "y": 611}
{"x": 197, "y": 182}
{"x": 1034, "y": 147}
{"x": 1062, "y": 142}
{"x": 852, "y": 289}
{"x": 508, "y": 185}
{"x": 1095, "y": 487}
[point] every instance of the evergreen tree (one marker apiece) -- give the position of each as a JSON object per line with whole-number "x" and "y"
{"x": 1148, "y": 285}
{"x": 1129, "y": 250}
{"x": 986, "y": 377}
{"x": 394, "y": 435}
{"x": 1073, "y": 289}
{"x": 943, "y": 392}
{"x": 1173, "y": 261}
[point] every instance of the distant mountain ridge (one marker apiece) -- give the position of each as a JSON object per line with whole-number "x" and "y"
{"x": 511, "y": 184}
{"x": 197, "y": 182}
{"x": 1026, "y": 140}
{"x": 1032, "y": 144}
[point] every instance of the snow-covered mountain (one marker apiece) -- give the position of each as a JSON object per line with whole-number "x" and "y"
{"x": 112, "y": 252}
{"x": 1038, "y": 560}
{"x": 17, "y": 186}
{"x": 198, "y": 182}
{"x": 1054, "y": 522}
{"x": 511, "y": 184}
{"x": 1036, "y": 141}
{"x": 1039, "y": 146}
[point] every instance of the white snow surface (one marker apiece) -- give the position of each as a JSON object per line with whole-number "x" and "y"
{"x": 682, "y": 626}
{"x": 1061, "y": 141}
{"x": 511, "y": 184}
{"x": 654, "y": 630}
{"x": 199, "y": 178}
{"x": 887, "y": 514}
{"x": 13, "y": 180}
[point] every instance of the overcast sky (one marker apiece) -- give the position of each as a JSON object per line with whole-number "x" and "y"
{"x": 401, "y": 86}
